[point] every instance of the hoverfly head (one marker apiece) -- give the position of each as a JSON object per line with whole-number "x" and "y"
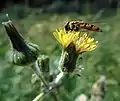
{"x": 67, "y": 27}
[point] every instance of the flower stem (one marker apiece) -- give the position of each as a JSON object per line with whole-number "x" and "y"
{"x": 56, "y": 81}
{"x": 38, "y": 97}
{"x": 61, "y": 62}
{"x": 37, "y": 72}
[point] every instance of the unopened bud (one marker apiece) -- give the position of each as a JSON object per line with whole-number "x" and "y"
{"x": 69, "y": 63}
{"x": 23, "y": 52}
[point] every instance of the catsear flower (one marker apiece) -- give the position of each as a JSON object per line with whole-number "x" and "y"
{"x": 81, "y": 40}
{"x": 73, "y": 43}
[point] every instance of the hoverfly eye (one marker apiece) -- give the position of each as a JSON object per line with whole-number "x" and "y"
{"x": 67, "y": 28}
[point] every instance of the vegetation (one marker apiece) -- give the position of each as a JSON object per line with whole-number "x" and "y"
{"x": 37, "y": 27}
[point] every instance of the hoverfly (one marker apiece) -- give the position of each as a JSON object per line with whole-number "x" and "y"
{"x": 77, "y": 25}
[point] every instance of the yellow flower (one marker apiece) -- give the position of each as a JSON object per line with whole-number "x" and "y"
{"x": 81, "y": 40}
{"x": 84, "y": 43}
{"x": 63, "y": 38}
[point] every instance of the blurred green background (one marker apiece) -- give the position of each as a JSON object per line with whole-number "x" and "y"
{"x": 37, "y": 21}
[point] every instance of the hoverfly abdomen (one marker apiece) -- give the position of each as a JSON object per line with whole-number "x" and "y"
{"x": 88, "y": 26}
{"x": 78, "y": 25}
{"x": 82, "y": 25}
{"x": 100, "y": 30}
{"x": 96, "y": 28}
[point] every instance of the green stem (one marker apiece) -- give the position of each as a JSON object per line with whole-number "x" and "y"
{"x": 38, "y": 97}
{"x": 56, "y": 81}
{"x": 37, "y": 72}
{"x": 58, "y": 78}
{"x": 61, "y": 62}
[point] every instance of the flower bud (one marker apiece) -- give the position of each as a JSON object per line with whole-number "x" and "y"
{"x": 23, "y": 52}
{"x": 69, "y": 63}
{"x": 43, "y": 63}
